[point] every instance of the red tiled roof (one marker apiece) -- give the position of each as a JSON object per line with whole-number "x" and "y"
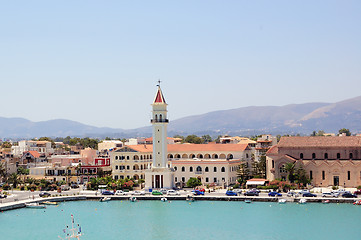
{"x": 151, "y": 139}
{"x": 194, "y": 147}
{"x": 272, "y": 151}
{"x": 323, "y": 141}
{"x": 34, "y": 153}
{"x": 159, "y": 98}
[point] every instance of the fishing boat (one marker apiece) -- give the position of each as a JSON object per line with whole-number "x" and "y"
{"x": 73, "y": 231}
{"x": 49, "y": 203}
{"x": 247, "y": 201}
{"x": 326, "y": 201}
{"x": 163, "y": 199}
{"x": 282, "y": 200}
{"x": 105, "y": 199}
{"x": 133, "y": 199}
{"x": 34, "y": 205}
{"x": 357, "y": 202}
{"x": 302, "y": 201}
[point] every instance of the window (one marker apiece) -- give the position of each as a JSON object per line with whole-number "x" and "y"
{"x": 326, "y": 155}
{"x": 323, "y": 175}
{"x": 207, "y": 179}
{"x": 206, "y": 169}
{"x": 116, "y": 177}
{"x": 338, "y": 155}
{"x": 351, "y": 156}
{"x": 191, "y": 169}
{"x": 313, "y": 155}
{"x": 121, "y": 177}
{"x": 301, "y": 155}
{"x": 116, "y": 157}
{"x": 273, "y": 163}
{"x": 215, "y": 169}
{"x": 215, "y": 179}
{"x": 223, "y": 179}
{"x": 175, "y": 168}
{"x": 127, "y": 157}
{"x": 282, "y": 169}
{"x": 183, "y": 179}
{"x": 247, "y": 155}
{"x": 199, "y": 169}
{"x": 128, "y": 168}
{"x": 230, "y": 156}
{"x": 176, "y": 179}
{"x": 311, "y": 177}
{"x": 183, "y": 169}
{"x": 348, "y": 175}
{"x": 223, "y": 169}
{"x": 116, "y": 167}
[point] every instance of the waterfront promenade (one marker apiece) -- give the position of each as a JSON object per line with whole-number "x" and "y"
{"x": 18, "y": 199}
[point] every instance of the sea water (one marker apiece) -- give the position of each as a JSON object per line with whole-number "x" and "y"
{"x": 185, "y": 220}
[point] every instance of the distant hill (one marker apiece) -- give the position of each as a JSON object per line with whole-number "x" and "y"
{"x": 289, "y": 119}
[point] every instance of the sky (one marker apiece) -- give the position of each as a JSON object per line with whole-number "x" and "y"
{"x": 98, "y": 62}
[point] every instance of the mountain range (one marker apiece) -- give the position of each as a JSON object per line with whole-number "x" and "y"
{"x": 246, "y": 121}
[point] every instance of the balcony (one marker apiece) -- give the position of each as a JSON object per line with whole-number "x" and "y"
{"x": 198, "y": 172}
{"x": 159, "y": 120}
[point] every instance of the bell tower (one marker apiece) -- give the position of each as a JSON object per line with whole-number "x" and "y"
{"x": 159, "y": 175}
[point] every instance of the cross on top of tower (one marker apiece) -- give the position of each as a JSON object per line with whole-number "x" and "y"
{"x": 159, "y": 81}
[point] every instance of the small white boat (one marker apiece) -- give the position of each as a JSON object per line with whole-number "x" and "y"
{"x": 34, "y": 205}
{"x": 49, "y": 203}
{"x": 163, "y": 199}
{"x": 326, "y": 201}
{"x": 282, "y": 200}
{"x": 247, "y": 201}
{"x": 133, "y": 199}
{"x": 302, "y": 201}
{"x": 105, "y": 199}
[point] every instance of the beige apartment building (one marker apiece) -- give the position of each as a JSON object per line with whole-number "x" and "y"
{"x": 328, "y": 161}
{"x": 211, "y": 163}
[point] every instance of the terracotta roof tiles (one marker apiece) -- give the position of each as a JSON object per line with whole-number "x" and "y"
{"x": 351, "y": 141}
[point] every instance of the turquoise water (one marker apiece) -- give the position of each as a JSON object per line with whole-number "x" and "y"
{"x": 181, "y": 220}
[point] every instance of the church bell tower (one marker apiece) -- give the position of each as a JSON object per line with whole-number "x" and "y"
{"x": 159, "y": 175}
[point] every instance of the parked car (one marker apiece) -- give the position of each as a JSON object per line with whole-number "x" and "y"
{"x": 348, "y": 195}
{"x": 74, "y": 185}
{"x": 256, "y": 190}
{"x": 341, "y": 191}
{"x": 358, "y": 192}
{"x": 173, "y": 192}
{"x": 251, "y": 193}
{"x": 107, "y": 193}
{"x": 231, "y": 193}
{"x": 274, "y": 194}
{"x": 303, "y": 191}
{"x": 121, "y": 192}
{"x": 155, "y": 192}
{"x": 164, "y": 191}
{"x": 3, "y": 196}
{"x": 202, "y": 190}
{"x": 308, "y": 194}
{"x": 238, "y": 191}
{"x": 44, "y": 194}
{"x": 138, "y": 192}
{"x": 330, "y": 194}
{"x": 292, "y": 194}
{"x": 64, "y": 187}
{"x": 197, "y": 192}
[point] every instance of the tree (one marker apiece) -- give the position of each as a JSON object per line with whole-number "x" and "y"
{"x": 290, "y": 169}
{"x": 194, "y": 139}
{"x": 3, "y": 172}
{"x": 23, "y": 171}
{"x": 243, "y": 173}
{"x": 14, "y": 179}
{"x": 207, "y": 138}
{"x": 194, "y": 182}
{"x": 6, "y": 145}
{"x": 345, "y": 130}
{"x": 319, "y": 133}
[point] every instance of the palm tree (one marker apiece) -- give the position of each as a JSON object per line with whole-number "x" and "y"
{"x": 14, "y": 179}
{"x": 290, "y": 169}
{"x": 3, "y": 172}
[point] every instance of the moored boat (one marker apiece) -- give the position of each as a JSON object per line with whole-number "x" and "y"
{"x": 163, "y": 199}
{"x": 282, "y": 200}
{"x": 133, "y": 199}
{"x": 302, "y": 201}
{"x": 105, "y": 199}
{"x": 73, "y": 232}
{"x": 34, "y": 205}
{"x": 247, "y": 201}
{"x": 49, "y": 203}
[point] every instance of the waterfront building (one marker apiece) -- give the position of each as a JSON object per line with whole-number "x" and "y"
{"x": 42, "y": 147}
{"x": 328, "y": 161}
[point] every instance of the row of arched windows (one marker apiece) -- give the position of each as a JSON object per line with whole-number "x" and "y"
{"x": 135, "y": 157}
{"x": 199, "y": 169}
{"x": 206, "y": 156}
{"x": 326, "y": 156}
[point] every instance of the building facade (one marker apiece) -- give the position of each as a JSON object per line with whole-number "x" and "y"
{"x": 328, "y": 161}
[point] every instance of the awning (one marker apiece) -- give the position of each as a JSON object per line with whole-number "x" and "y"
{"x": 255, "y": 182}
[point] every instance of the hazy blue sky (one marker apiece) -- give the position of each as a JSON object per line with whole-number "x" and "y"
{"x": 97, "y": 62}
